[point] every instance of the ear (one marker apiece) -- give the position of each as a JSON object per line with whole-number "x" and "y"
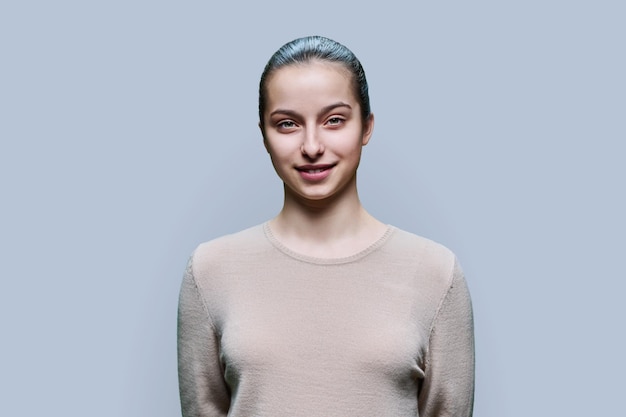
{"x": 263, "y": 134}
{"x": 368, "y": 129}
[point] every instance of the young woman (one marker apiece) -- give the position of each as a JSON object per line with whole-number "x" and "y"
{"x": 323, "y": 310}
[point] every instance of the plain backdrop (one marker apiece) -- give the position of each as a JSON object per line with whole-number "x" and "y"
{"x": 129, "y": 135}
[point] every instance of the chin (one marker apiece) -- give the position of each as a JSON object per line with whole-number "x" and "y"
{"x": 318, "y": 198}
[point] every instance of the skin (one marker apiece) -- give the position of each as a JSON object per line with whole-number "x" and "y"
{"x": 314, "y": 134}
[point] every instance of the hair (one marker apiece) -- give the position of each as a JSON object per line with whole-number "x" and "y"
{"x": 316, "y": 48}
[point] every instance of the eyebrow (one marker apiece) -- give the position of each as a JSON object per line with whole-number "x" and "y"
{"x": 325, "y": 109}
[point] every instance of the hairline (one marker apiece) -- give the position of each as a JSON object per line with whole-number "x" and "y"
{"x": 312, "y": 60}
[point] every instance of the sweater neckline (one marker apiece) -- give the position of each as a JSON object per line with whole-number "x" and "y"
{"x": 327, "y": 261}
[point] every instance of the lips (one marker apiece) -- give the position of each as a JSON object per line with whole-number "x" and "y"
{"x": 314, "y": 172}
{"x": 314, "y": 168}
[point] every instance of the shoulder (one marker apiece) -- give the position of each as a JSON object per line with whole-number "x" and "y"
{"x": 237, "y": 240}
{"x": 421, "y": 250}
{"x": 231, "y": 248}
{"x": 428, "y": 264}
{"x": 435, "y": 269}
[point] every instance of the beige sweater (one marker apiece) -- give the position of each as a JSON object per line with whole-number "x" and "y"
{"x": 263, "y": 331}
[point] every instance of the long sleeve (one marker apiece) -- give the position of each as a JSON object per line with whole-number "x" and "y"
{"x": 267, "y": 332}
{"x": 448, "y": 386}
{"x": 203, "y": 391}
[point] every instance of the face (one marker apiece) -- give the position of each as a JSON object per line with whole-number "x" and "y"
{"x": 313, "y": 130}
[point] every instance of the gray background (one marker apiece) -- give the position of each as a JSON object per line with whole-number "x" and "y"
{"x": 128, "y": 136}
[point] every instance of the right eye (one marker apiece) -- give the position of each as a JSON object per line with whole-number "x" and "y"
{"x": 286, "y": 124}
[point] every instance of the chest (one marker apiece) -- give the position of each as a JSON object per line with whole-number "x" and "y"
{"x": 324, "y": 327}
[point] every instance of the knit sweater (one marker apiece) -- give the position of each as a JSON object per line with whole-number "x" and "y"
{"x": 264, "y": 331}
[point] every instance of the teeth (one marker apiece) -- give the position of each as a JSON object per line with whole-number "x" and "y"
{"x": 314, "y": 171}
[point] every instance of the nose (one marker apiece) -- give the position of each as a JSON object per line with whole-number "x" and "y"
{"x": 312, "y": 146}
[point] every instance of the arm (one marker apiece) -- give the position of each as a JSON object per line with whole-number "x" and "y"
{"x": 448, "y": 386}
{"x": 203, "y": 391}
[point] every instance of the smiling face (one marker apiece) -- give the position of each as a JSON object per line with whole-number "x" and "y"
{"x": 313, "y": 130}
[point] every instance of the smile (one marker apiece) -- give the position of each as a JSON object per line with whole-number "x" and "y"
{"x": 314, "y": 172}
{"x": 314, "y": 168}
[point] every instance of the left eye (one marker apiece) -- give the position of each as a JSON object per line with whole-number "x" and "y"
{"x": 334, "y": 121}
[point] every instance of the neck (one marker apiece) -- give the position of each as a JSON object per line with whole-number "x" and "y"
{"x": 326, "y": 228}
{"x": 320, "y": 219}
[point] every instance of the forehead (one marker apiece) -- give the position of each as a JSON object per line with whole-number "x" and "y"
{"x": 308, "y": 81}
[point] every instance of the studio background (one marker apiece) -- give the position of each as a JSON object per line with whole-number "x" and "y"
{"x": 129, "y": 135}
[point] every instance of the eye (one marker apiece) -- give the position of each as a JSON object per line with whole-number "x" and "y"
{"x": 335, "y": 121}
{"x": 286, "y": 124}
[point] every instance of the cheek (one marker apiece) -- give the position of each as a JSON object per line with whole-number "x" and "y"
{"x": 350, "y": 146}
{"x": 279, "y": 152}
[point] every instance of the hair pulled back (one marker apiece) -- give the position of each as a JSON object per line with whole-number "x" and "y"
{"x": 316, "y": 48}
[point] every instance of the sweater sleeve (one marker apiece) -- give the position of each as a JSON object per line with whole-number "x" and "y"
{"x": 203, "y": 391}
{"x": 448, "y": 386}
